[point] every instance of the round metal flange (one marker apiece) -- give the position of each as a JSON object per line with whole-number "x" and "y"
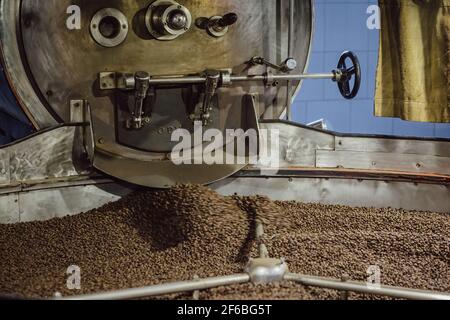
{"x": 109, "y": 27}
{"x": 167, "y": 20}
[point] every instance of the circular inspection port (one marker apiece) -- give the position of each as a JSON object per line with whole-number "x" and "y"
{"x": 109, "y": 27}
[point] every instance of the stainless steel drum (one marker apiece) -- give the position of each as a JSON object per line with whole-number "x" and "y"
{"x": 59, "y": 54}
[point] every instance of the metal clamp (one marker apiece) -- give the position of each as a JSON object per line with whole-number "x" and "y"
{"x": 212, "y": 83}
{"x": 142, "y": 85}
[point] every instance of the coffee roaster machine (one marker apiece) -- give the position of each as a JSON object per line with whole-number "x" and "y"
{"x": 107, "y": 83}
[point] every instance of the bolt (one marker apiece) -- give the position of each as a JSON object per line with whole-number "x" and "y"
{"x": 101, "y": 140}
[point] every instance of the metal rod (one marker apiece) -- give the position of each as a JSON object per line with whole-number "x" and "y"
{"x": 289, "y": 101}
{"x": 262, "y": 249}
{"x": 360, "y": 287}
{"x": 291, "y": 28}
{"x": 164, "y": 289}
{"x": 200, "y": 80}
{"x": 290, "y": 55}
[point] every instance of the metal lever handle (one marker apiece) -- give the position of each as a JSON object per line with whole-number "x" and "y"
{"x": 212, "y": 83}
{"x": 142, "y": 85}
{"x": 217, "y": 26}
{"x": 287, "y": 66}
{"x": 228, "y": 20}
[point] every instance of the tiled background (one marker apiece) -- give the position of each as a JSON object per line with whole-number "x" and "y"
{"x": 342, "y": 25}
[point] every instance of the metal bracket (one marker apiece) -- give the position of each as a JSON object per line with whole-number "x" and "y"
{"x": 80, "y": 112}
{"x": 116, "y": 80}
{"x": 266, "y": 270}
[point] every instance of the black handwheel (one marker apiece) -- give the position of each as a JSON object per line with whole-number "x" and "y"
{"x": 345, "y": 74}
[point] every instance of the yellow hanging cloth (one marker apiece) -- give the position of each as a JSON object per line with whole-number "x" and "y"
{"x": 413, "y": 78}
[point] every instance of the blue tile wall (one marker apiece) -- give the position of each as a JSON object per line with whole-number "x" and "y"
{"x": 342, "y": 25}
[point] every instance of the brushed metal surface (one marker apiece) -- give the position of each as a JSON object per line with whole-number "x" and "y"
{"x": 54, "y": 201}
{"x": 41, "y": 157}
{"x": 357, "y": 193}
{"x": 394, "y": 145}
{"x": 57, "y": 203}
{"x": 299, "y": 145}
{"x": 383, "y": 161}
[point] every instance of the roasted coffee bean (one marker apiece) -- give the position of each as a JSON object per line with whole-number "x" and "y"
{"x": 152, "y": 237}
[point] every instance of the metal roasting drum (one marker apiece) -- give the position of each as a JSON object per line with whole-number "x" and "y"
{"x": 136, "y": 71}
{"x": 53, "y": 68}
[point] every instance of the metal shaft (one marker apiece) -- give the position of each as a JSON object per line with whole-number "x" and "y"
{"x": 164, "y": 289}
{"x": 201, "y": 80}
{"x": 290, "y": 55}
{"x": 394, "y": 292}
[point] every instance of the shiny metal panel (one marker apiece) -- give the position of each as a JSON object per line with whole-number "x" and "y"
{"x": 299, "y": 145}
{"x": 383, "y": 161}
{"x": 57, "y": 203}
{"x": 391, "y": 145}
{"x": 351, "y": 192}
{"x": 41, "y": 157}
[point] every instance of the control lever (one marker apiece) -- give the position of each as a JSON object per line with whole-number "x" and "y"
{"x": 226, "y": 21}
{"x": 142, "y": 85}
{"x": 287, "y": 66}
{"x": 217, "y": 26}
{"x": 212, "y": 83}
{"x": 348, "y": 78}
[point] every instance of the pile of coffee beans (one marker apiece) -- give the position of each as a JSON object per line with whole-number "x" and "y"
{"x": 153, "y": 237}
